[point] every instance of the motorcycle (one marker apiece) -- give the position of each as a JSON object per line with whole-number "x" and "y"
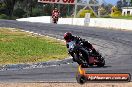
{"x": 55, "y": 18}
{"x": 84, "y": 56}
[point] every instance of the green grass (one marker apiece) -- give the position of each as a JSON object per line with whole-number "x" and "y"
{"x": 20, "y": 47}
{"x": 124, "y": 17}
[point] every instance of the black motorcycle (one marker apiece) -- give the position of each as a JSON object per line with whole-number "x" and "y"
{"x": 84, "y": 56}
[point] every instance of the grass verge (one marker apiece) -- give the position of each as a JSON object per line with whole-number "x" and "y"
{"x": 124, "y": 17}
{"x": 22, "y": 47}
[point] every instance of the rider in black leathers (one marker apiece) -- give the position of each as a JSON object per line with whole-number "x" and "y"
{"x": 69, "y": 37}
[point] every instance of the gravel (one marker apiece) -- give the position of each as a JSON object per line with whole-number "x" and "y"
{"x": 65, "y": 85}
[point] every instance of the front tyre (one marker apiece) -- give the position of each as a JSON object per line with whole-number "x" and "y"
{"x": 81, "y": 56}
{"x": 81, "y": 79}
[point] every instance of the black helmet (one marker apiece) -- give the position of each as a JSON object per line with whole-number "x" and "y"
{"x": 68, "y": 36}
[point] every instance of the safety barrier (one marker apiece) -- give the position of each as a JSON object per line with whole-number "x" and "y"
{"x": 94, "y": 22}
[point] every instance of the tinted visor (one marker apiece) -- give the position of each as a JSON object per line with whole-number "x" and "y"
{"x": 66, "y": 38}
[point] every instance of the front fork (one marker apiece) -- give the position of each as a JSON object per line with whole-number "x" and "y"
{"x": 77, "y": 58}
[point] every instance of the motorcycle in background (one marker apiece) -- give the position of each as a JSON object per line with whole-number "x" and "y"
{"x": 55, "y": 18}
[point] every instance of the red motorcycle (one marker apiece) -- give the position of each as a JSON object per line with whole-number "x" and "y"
{"x": 84, "y": 56}
{"x": 55, "y": 18}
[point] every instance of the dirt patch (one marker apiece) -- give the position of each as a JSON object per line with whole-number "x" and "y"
{"x": 65, "y": 85}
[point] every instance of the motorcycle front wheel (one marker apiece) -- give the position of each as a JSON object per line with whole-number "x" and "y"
{"x": 81, "y": 57}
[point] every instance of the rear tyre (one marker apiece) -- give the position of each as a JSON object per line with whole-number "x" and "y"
{"x": 101, "y": 63}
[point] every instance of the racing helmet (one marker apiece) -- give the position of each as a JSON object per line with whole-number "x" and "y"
{"x": 55, "y": 9}
{"x": 68, "y": 36}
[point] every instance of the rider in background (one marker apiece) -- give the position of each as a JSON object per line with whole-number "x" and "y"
{"x": 55, "y": 15}
{"x": 69, "y": 37}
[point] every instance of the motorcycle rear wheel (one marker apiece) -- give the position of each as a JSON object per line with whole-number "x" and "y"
{"x": 101, "y": 63}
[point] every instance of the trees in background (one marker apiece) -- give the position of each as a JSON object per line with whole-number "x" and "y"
{"x": 9, "y": 6}
{"x": 2, "y": 8}
{"x": 20, "y": 8}
{"x": 115, "y": 12}
{"x": 93, "y": 1}
{"x": 83, "y": 12}
{"x": 123, "y": 3}
{"x": 105, "y": 9}
{"x": 119, "y": 4}
{"x": 29, "y": 8}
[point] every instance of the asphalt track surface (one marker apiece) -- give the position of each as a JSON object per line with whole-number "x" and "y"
{"x": 115, "y": 46}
